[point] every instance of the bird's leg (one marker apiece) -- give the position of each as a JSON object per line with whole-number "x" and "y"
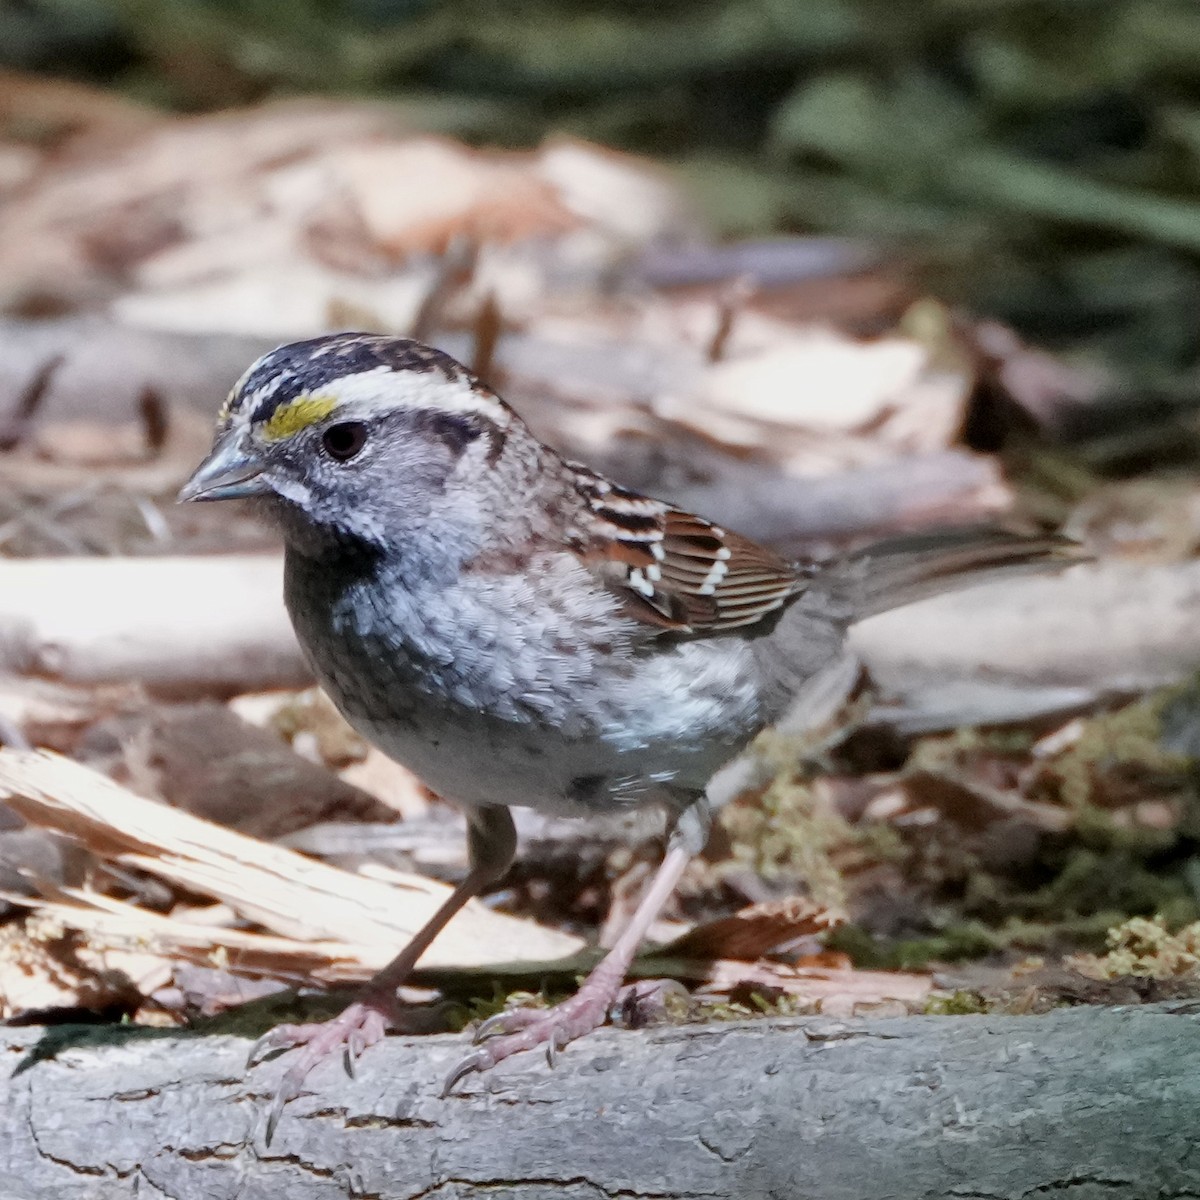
{"x": 492, "y": 842}
{"x": 520, "y": 1029}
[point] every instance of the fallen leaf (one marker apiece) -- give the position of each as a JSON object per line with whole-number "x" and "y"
{"x": 755, "y": 931}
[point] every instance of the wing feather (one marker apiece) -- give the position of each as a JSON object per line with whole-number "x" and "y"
{"x": 675, "y": 570}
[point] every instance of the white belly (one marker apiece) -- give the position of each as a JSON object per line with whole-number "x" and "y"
{"x": 603, "y": 751}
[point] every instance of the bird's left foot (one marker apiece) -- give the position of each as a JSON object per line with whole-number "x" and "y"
{"x": 509, "y": 1033}
{"x": 354, "y": 1030}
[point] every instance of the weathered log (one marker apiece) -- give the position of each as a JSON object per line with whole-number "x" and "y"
{"x": 176, "y": 625}
{"x": 1086, "y": 1103}
{"x": 1022, "y": 648}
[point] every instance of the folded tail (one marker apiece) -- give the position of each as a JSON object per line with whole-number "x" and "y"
{"x": 900, "y": 570}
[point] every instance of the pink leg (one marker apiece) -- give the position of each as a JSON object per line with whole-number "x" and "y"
{"x": 523, "y": 1029}
{"x": 492, "y": 841}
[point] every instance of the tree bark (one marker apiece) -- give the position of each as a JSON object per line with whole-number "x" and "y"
{"x": 1082, "y": 1103}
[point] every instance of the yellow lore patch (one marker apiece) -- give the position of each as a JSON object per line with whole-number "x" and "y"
{"x": 288, "y": 419}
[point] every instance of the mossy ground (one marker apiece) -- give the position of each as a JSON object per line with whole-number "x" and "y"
{"x": 989, "y": 842}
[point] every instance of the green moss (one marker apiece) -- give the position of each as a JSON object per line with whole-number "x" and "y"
{"x": 959, "y": 1003}
{"x": 1127, "y": 849}
{"x": 1089, "y": 882}
{"x": 462, "y": 1013}
{"x": 756, "y": 1004}
{"x": 966, "y": 940}
{"x": 792, "y": 832}
{"x": 1121, "y": 747}
{"x": 940, "y": 751}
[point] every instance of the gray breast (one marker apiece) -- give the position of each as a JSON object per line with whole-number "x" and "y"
{"x": 551, "y": 706}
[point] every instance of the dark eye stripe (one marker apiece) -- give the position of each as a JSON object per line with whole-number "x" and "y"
{"x": 459, "y": 430}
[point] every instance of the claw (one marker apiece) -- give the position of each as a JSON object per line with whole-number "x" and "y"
{"x": 356, "y": 1042}
{"x": 273, "y": 1039}
{"x": 557, "y": 1042}
{"x": 289, "y": 1089}
{"x": 273, "y": 1115}
{"x": 489, "y": 1028}
{"x": 256, "y": 1052}
{"x": 509, "y": 1021}
{"x": 518, "y": 1029}
{"x": 477, "y": 1060}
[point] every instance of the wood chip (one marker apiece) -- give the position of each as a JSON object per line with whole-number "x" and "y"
{"x": 286, "y": 893}
{"x": 113, "y": 926}
{"x": 836, "y": 992}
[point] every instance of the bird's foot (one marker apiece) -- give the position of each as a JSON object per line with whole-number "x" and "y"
{"x": 509, "y": 1033}
{"x": 355, "y": 1029}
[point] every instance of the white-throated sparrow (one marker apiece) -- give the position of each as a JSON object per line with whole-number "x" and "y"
{"x": 521, "y": 631}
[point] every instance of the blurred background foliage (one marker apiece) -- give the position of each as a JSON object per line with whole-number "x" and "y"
{"x": 1039, "y": 159}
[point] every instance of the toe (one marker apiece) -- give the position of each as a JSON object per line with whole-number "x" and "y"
{"x": 353, "y": 1032}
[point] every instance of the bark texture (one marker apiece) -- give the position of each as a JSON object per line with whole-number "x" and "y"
{"x": 1085, "y": 1103}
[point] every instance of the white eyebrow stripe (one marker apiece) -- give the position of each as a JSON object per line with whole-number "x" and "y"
{"x": 383, "y": 389}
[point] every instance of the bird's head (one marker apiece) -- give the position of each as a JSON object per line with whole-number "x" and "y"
{"x": 355, "y": 437}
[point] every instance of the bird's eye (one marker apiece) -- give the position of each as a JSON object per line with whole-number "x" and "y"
{"x": 342, "y": 442}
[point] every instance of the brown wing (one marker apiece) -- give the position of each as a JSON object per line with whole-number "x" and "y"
{"x": 676, "y": 570}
